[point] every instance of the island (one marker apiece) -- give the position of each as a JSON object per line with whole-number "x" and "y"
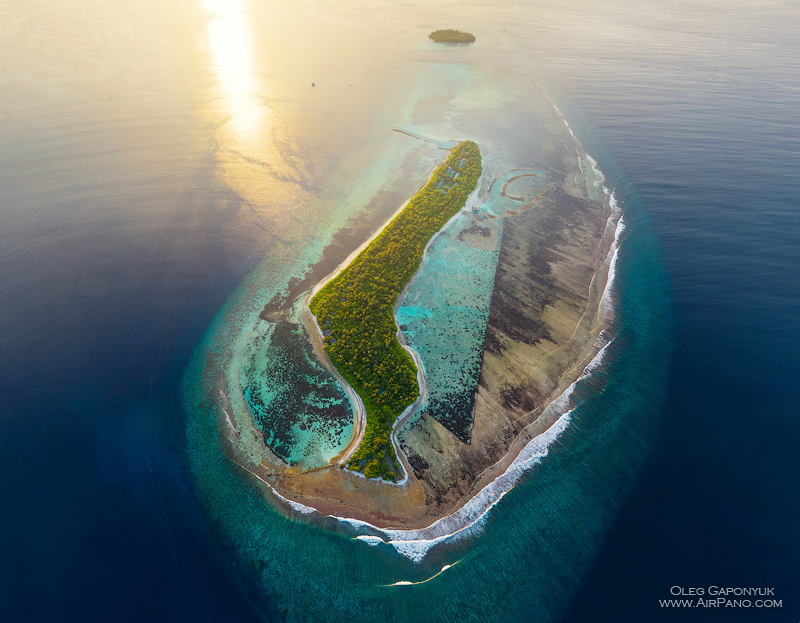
{"x": 452, "y": 36}
{"x": 355, "y": 310}
{"x": 433, "y": 348}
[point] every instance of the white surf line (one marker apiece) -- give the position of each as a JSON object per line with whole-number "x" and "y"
{"x": 300, "y": 508}
{"x": 579, "y": 149}
{"x": 599, "y": 178}
{"x": 469, "y": 519}
{"x": 407, "y": 583}
{"x": 605, "y": 300}
{"x": 602, "y": 305}
{"x": 227, "y": 415}
{"x": 606, "y": 303}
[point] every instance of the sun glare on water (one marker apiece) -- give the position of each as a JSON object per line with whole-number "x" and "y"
{"x": 230, "y": 48}
{"x": 243, "y": 139}
{"x": 228, "y": 39}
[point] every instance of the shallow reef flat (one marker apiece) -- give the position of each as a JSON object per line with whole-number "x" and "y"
{"x": 502, "y": 316}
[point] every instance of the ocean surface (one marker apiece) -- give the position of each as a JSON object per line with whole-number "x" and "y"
{"x": 160, "y": 159}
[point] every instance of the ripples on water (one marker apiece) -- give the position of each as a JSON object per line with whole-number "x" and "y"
{"x": 127, "y": 222}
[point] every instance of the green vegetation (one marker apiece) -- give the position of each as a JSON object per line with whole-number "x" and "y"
{"x": 452, "y": 36}
{"x": 355, "y": 310}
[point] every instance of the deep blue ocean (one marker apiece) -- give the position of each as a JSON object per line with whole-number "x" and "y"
{"x": 119, "y": 244}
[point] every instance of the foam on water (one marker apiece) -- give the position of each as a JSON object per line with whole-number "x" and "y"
{"x": 300, "y": 508}
{"x": 598, "y": 358}
{"x": 599, "y": 177}
{"x": 592, "y": 174}
{"x": 605, "y": 301}
{"x": 612, "y": 199}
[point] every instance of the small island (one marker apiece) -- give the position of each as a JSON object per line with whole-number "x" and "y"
{"x": 355, "y": 310}
{"x": 452, "y": 36}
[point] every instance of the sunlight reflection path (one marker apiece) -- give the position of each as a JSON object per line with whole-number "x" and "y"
{"x": 232, "y": 54}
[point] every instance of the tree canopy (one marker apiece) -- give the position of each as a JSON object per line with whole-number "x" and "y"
{"x": 451, "y": 36}
{"x": 355, "y": 310}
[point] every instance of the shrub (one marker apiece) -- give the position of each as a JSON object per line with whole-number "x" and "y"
{"x": 451, "y": 36}
{"x": 372, "y": 469}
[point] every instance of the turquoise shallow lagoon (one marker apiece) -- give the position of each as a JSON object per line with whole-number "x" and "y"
{"x": 302, "y": 411}
{"x": 450, "y": 296}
